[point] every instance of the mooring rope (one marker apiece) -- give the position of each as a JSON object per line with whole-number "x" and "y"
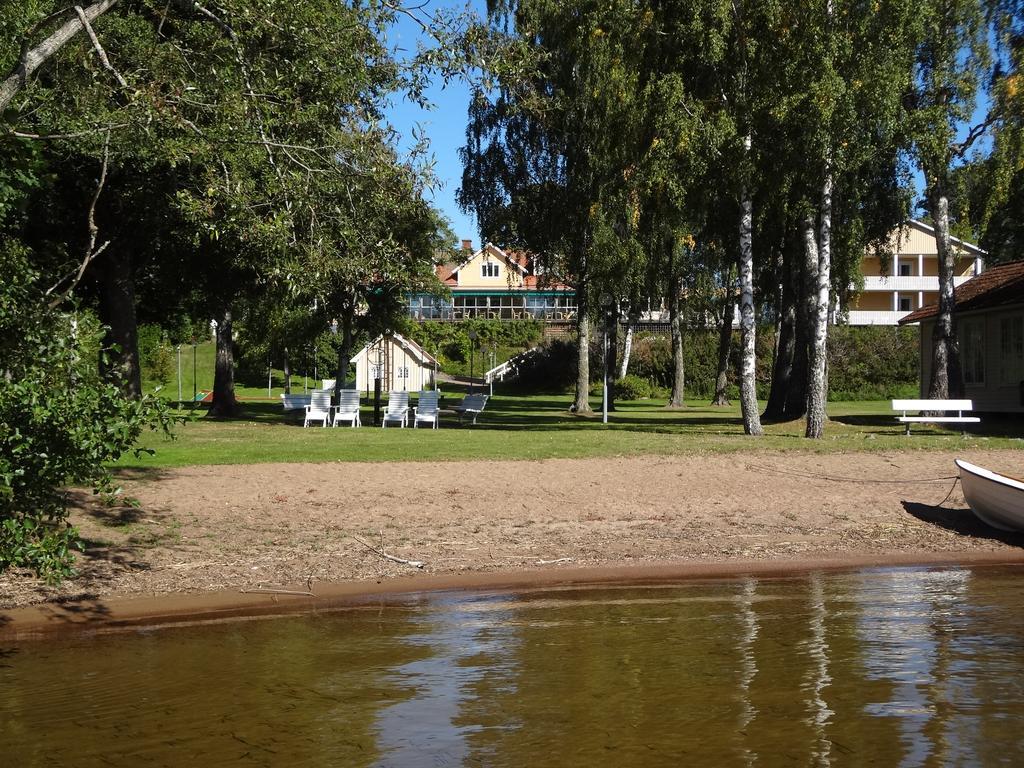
{"x": 838, "y": 479}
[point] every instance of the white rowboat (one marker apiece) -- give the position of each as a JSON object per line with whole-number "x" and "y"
{"x": 996, "y": 499}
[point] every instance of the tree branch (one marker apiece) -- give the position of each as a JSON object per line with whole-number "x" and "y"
{"x": 33, "y": 58}
{"x": 100, "y": 53}
{"x": 974, "y": 134}
{"x": 91, "y": 251}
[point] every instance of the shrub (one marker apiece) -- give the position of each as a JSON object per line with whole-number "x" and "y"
{"x": 632, "y": 387}
{"x": 59, "y": 423}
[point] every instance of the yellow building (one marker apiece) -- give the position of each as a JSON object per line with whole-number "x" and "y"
{"x": 495, "y": 284}
{"x": 911, "y": 280}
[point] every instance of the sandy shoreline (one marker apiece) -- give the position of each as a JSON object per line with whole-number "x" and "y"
{"x": 204, "y": 537}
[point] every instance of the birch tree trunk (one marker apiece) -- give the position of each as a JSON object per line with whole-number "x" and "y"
{"x": 724, "y": 347}
{"x": 947, "y": 375}
{"x": 627, "y": 346}
{"x": 35, "y": 57}
{"x": 785, "y": 344}
{"x": 675, "y": 324}
{"x": 748, "y": 337}
{"x": 817, "y": 389}
{"x": 805, "y": 287}
{"x": 581, "y": 403}
{"x": 224, "y": 403}
{"x": 117, "y": 311}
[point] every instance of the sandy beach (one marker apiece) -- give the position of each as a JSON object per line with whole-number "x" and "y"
{"x": 243, "y": 535}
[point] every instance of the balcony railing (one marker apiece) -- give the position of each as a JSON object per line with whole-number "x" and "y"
{"x": 916, "y": 283}
{"x": 873, "y": 317}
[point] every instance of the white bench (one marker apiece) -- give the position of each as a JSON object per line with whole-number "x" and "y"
{"x": 471, "y": 405}
{"x": 295, "y": 402}
{"x": 933, "y": 406}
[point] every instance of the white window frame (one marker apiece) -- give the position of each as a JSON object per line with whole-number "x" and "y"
{"x": 490, "y": 269}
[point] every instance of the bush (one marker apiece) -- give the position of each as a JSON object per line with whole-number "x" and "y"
{"x": 633, "y": 388}
{"x": 59, "y": 423}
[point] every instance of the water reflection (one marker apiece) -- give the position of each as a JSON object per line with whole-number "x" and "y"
{"x": 896, "y": 667}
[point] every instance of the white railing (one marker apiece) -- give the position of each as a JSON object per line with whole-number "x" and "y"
{"x": 873, "y": 317}
{"x": 510, "y": 367}
{"x": 914, "y": 283}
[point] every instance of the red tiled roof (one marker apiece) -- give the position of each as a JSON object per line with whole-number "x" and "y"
{"x": 994, "y": 287}
{"x": 446, "y": 273}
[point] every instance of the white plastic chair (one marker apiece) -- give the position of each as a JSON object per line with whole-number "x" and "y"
{"x": 427, "y": 410}
{"x": 348, "y": 408}
{"x": 319, "y": 408}
{"x": 398, "y": 408}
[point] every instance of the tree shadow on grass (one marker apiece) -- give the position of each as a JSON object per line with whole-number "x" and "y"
{"x": 961, "y": 521}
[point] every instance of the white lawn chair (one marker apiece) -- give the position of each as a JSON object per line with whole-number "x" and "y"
{"x": 427, "y": 410}
{"x": 348, "y": 408}
{"x": 398, "y": 409}
{"x": 319, "y": 408}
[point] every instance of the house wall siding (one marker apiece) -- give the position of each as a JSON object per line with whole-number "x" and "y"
{"x": 993, "y": 395}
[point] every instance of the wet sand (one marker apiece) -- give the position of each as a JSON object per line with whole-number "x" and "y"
{"x": 209, "y": 542}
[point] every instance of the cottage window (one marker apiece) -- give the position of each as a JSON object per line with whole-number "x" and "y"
{"x": 1011, "y": 349}
{"x": 489, "y": 269}
{"x": 905, "y": 304}
{"x": 904, "y": 270}
{"x": 403, "y": 372}
{"x": 972, "y": 337}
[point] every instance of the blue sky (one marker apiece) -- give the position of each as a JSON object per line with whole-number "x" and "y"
{"x": 444, "y": 125}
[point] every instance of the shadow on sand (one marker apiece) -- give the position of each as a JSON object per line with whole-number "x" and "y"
{"x": 961, "y": 521}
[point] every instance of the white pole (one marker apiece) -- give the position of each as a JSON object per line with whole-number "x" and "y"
{"x": 179, "y": 375}
{"x": 270, "y": 374}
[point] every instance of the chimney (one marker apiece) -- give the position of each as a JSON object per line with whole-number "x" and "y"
{"x": 467, "y": 245}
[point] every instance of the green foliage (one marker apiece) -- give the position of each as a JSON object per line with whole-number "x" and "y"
{"x": 872, "y": 363}
{"x": 451, "y": 344}
{"x": 632, "y": 387}
{"x": 59, "y": 423}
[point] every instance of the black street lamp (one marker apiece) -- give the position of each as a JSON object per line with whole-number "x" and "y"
{"x": 607, "y": 303}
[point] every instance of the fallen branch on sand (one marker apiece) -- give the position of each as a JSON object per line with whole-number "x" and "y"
{"x": 380, "y": 551}
{"x": 268, "y": 591}
{"x": 261, "y": 590}
{"x": 551, "y": 562}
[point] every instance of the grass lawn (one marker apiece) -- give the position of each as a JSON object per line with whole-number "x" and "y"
{"x": 540, "y": 427}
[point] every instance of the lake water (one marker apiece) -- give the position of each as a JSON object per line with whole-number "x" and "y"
{"x": 896, "y": 667}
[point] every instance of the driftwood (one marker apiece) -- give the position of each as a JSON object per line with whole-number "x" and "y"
{"x": 380, "y": 551}
{"x": 552, "y": 562}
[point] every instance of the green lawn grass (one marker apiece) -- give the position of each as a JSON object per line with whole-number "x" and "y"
{"x": 541, "y": 427}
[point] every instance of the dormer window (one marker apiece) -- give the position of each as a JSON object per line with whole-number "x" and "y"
{"x": 489, "y": 269}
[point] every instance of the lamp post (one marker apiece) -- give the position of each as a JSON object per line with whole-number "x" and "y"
{"x": 179, "y": 375}
{"x": 494, "y": 358}
{"x": 193, "y": 374}
{"x": 377, "y": 372}
{"x": 606, "y": 305}
{"x": 472, "y": 345}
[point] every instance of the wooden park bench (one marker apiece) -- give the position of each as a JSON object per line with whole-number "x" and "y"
{"x": 940, "y": 411}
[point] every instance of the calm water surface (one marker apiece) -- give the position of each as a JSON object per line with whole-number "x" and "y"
{"x": 900, "y": 667}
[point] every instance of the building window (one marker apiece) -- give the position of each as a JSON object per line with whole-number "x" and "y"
{"x": 904, "y": 304}
{"x": 1011, "y": 349}
{"x": 904, "y": 270}
{"x": 489, "y": 269}
{"x": 403, "y": 372}
{"x": 972, "y": 342}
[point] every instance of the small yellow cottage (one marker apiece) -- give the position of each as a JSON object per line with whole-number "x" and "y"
{"x": 401, "y": 364}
